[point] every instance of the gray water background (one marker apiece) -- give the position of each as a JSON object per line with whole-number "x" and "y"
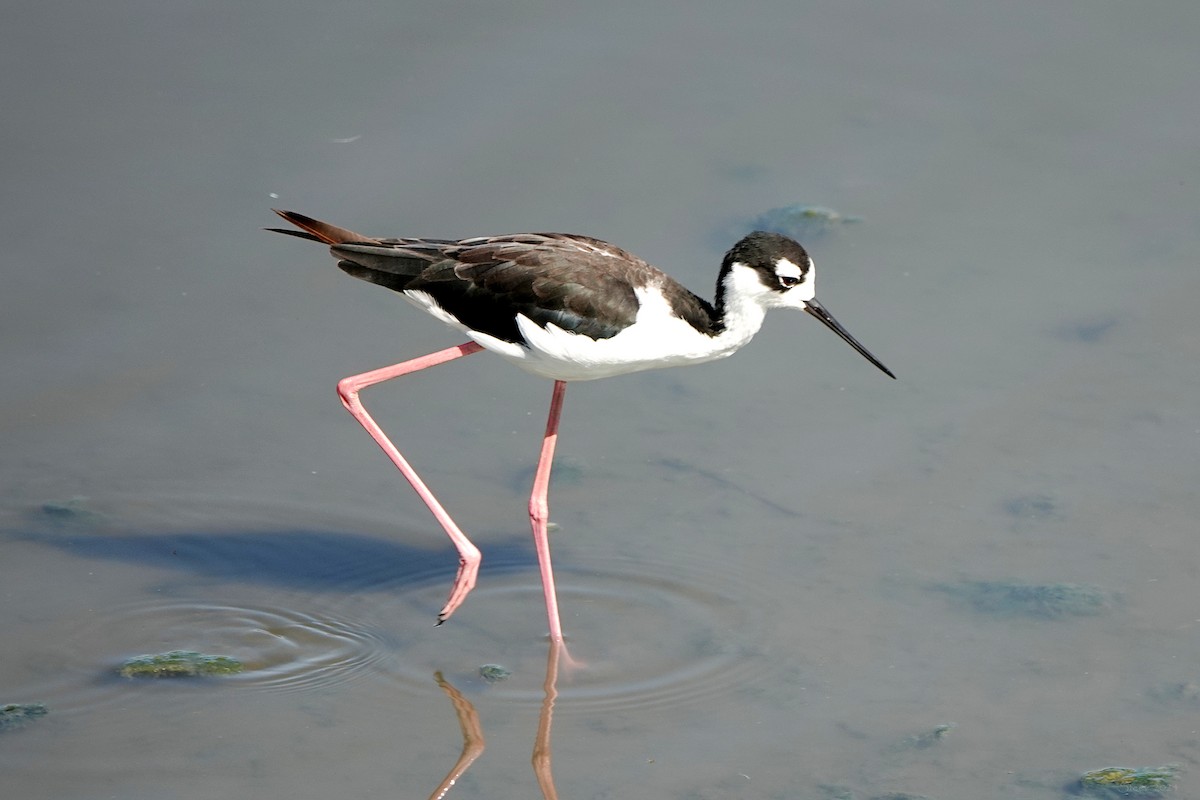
{"x": 763, "y": 560}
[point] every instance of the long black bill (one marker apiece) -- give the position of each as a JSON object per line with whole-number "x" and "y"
{"x": 818, "y": 311}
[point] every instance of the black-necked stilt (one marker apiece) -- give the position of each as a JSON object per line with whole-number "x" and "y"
{"x": 569, "y": 308}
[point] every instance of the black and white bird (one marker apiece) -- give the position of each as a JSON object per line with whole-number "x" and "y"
{"x": 568, "y": 308}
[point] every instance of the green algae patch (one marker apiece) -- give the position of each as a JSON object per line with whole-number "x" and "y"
{"x": 494, "y": 673}
{"x": 179, "y": 664}
{"x": 16, "y": 715}
{"x": 1126, "y": 782}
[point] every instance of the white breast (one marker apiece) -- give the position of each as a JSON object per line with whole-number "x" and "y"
{"x": 656, "y": 339}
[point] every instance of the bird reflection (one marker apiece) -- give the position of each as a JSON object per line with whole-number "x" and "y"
{"x": 472, "y": 731}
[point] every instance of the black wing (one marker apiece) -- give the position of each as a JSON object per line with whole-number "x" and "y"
{"x": 581, "y": 285}
{"x": 578, "y": 283}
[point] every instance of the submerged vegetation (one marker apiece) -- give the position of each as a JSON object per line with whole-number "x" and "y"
{"x": 1045, "y": 600}
{"x": 179, "y": 664}
{"x": 1187, "y": 692}
{"x": 1034, "y": 507}
{"x": 920, "y": 741}
{"x": 73, "y": 511}
{"x": 15, "y": 715}
{"x": 800, "y": 221}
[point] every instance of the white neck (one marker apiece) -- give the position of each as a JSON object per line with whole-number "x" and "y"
{"x": 744, "y": 302}
{"x": 742, "y": 316}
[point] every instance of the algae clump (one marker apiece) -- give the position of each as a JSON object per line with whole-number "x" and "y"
{"x": 179, "y": 664}
{"x": 494, "y": 673}
{"x": 1126, "y": 782}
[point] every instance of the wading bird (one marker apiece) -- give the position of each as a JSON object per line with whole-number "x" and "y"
{"x": 568, "y": 308}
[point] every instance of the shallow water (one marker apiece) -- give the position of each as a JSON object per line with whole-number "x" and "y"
{"x": 754, "y": 556}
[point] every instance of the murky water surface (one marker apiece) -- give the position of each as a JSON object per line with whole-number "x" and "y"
{"x": 782, "y": 576}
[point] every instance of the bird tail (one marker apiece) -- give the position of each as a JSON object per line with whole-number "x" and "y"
{"x": 317, "y": 231}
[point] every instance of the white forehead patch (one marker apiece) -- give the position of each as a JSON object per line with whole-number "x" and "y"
{"x": 784, "y": 268}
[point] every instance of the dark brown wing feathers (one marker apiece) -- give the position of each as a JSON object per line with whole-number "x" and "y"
{"x": 578, "y": 283}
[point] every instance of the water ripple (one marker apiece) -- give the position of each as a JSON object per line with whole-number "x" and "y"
{"x": 338, "y": 599}
{"x": 649, "y": 632}
{"x": 282, "y": 650}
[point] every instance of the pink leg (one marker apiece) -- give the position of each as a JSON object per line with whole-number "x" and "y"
{"x": 348, "y": 389}
{"x": 539, "y": 510}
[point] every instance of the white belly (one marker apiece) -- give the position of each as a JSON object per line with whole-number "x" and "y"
{"x": 656, "y": 340}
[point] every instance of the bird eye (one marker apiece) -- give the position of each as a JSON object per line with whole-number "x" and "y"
{"x": 788, "y": 281}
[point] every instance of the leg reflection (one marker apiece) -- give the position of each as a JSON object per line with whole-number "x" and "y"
{"x": 472, "y": 731}
{"x": 541, "y": 746}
